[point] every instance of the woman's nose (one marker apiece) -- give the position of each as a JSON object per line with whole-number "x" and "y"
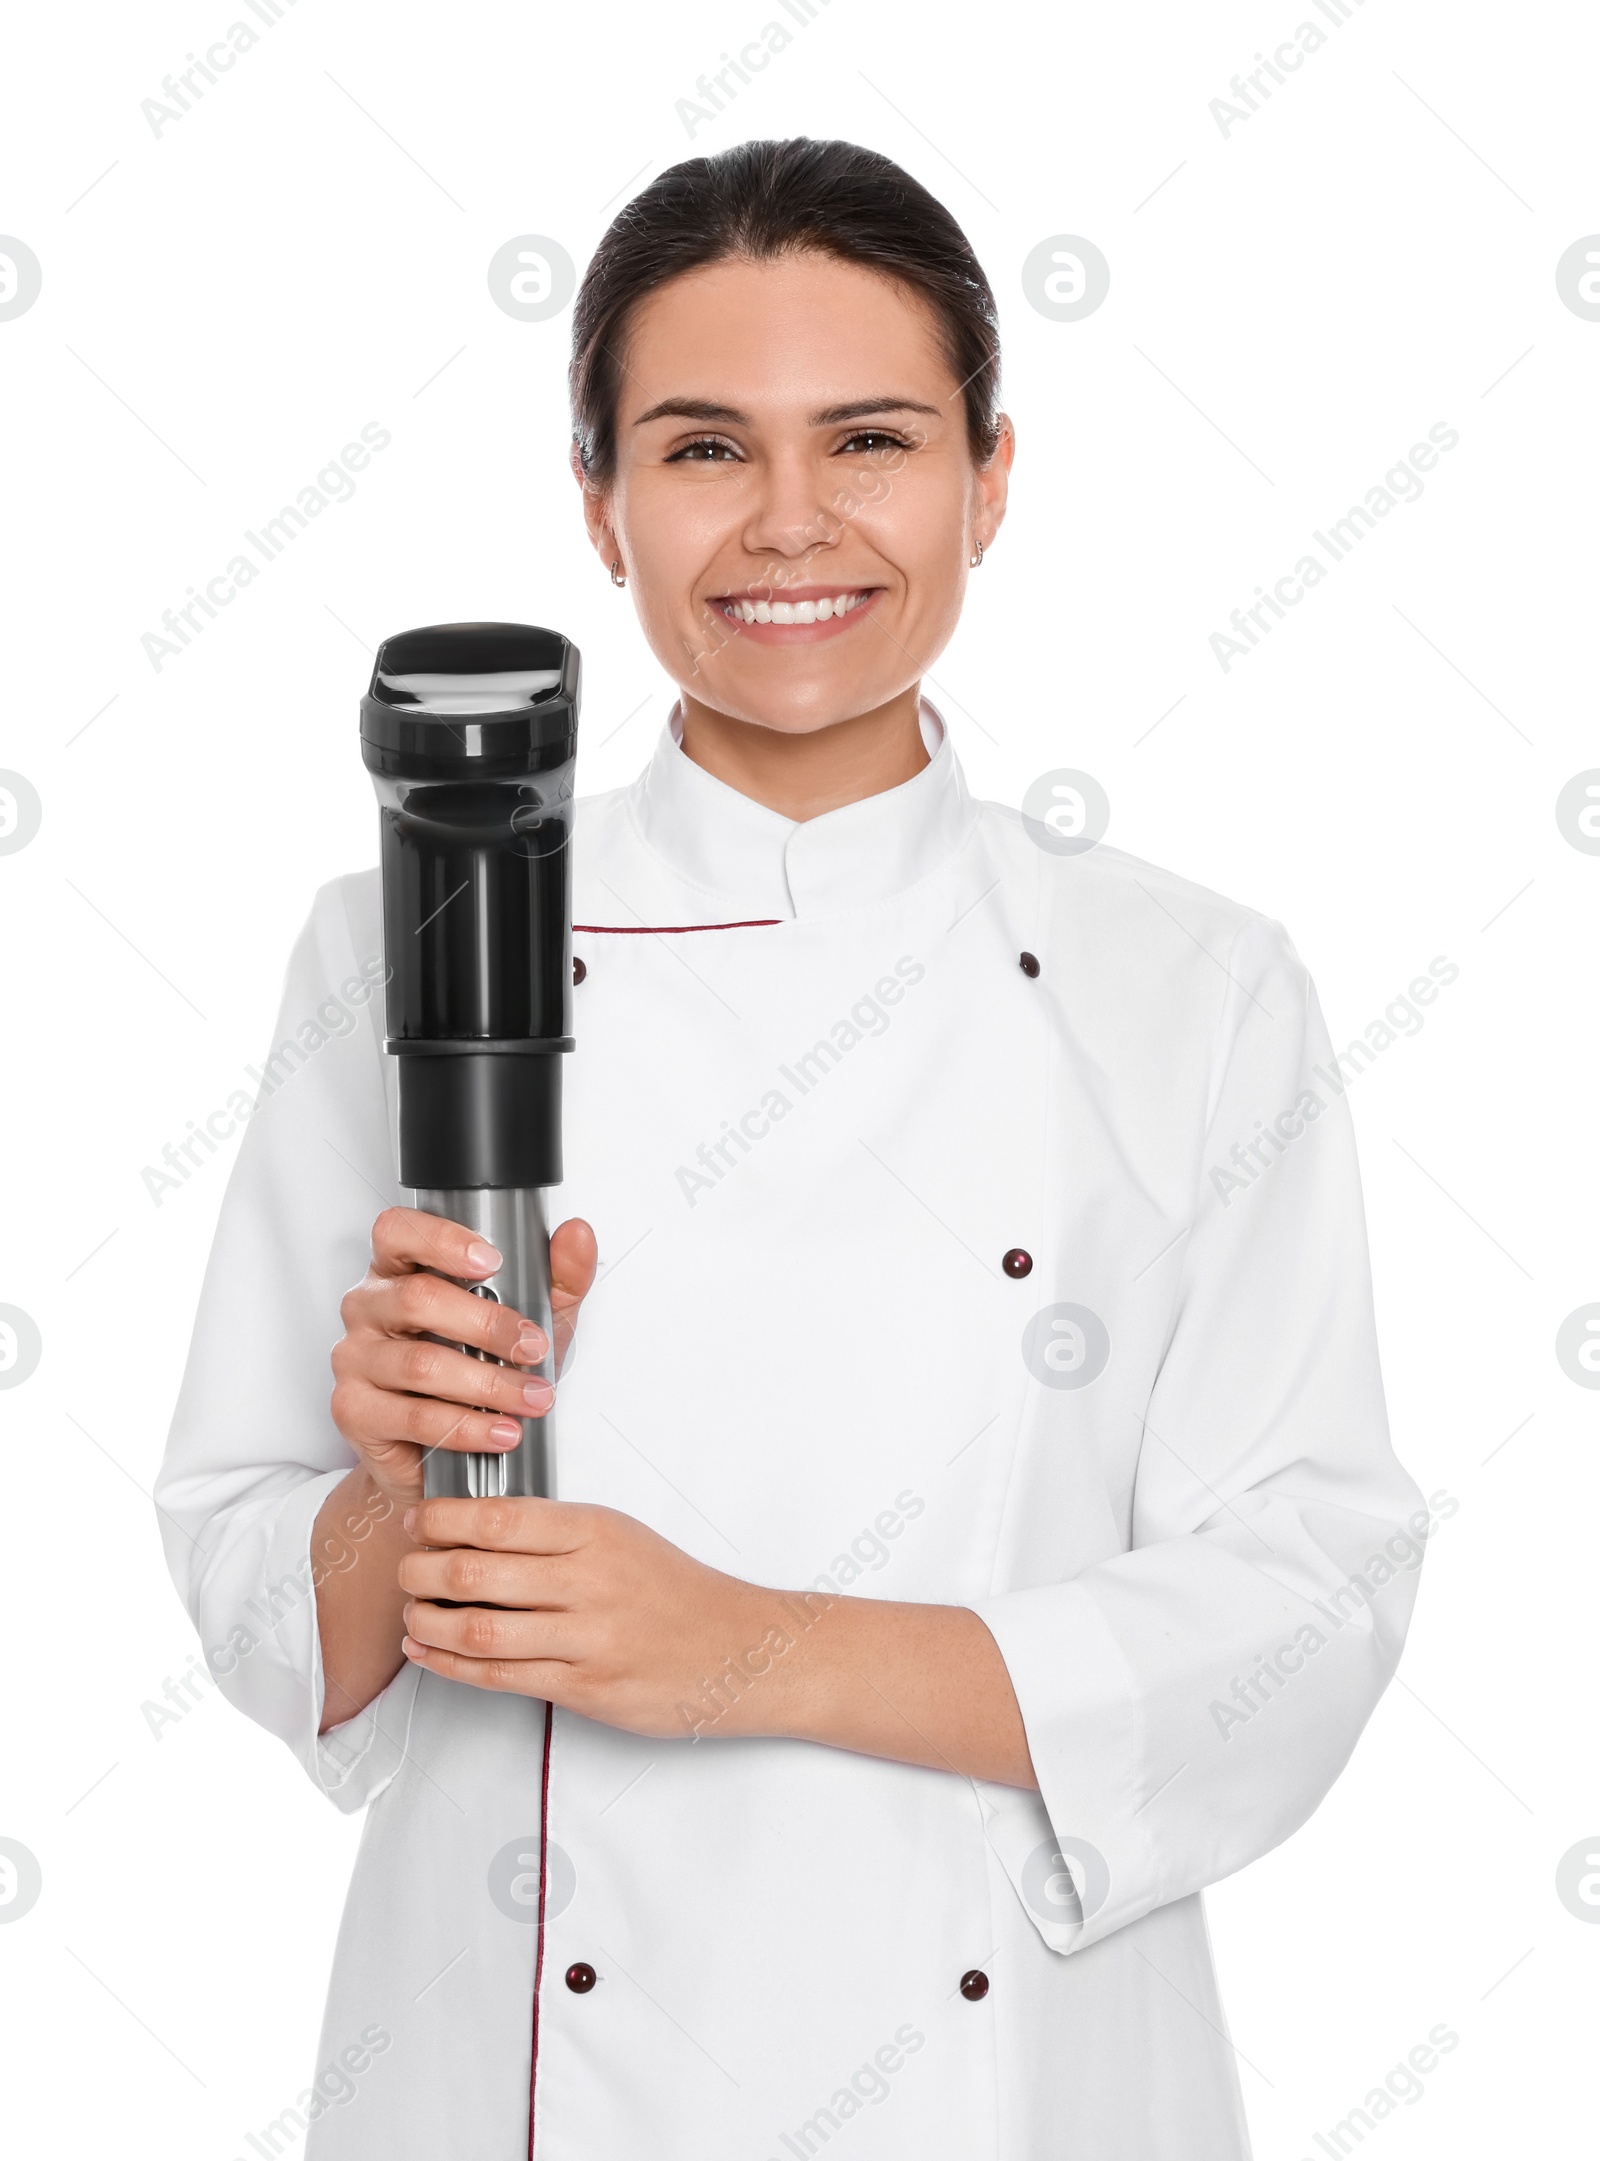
{"x": 792, "y": 512}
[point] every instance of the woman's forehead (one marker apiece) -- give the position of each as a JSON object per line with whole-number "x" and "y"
{"x": 801, "y": 330}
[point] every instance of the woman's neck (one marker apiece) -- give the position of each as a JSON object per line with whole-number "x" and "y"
{"x": 802, "y": 776}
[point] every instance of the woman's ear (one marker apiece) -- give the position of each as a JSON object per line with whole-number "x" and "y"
{"x": 595, "y": 511}
{"x": 991, "y": 483}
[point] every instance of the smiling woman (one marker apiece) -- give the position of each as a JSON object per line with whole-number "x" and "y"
{"x": 675, "y": 1814}
{"x": 785, "y": 379}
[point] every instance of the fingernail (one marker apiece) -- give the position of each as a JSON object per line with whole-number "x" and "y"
{"x": 505, "y": 1433}
{"x": 483, "y": 1255}
{"x": 409, "y": 1519}
{"x": 411, "y": 1647}
{"x": 531, "y": 1348}
{"x": 538, "y": 1395}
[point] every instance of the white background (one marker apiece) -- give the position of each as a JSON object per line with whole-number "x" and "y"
{"x": 1292, "y": 306}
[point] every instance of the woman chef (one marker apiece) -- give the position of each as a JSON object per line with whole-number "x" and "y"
{"x": 981, "y": 1531}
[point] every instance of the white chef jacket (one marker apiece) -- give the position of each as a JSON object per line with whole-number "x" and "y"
{"x": 822, "y": 1101}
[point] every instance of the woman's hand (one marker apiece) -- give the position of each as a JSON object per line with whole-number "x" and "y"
{"x": 592, "y": 1610}
{"x": 598, "y": 1612}
{"x": 396, "y": 1395}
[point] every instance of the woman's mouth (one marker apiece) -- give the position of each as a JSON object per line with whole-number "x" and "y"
{"x": 804, "y": 614}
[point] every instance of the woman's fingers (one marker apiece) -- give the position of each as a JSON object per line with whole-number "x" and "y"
{"x": 478, "y": 1632}
{"x": 549, "y": 1680}
{"x": 509, "y": 1525}
{"x": 516, "y": 1651}
{"x": 464, "y": 1576}
{"x": 401, "y": 1384}
{"x": 574, "y": 1256}
{"x": 408, "y": 1238}
{"x": 370, "y": 1417}
{"x": 420, "y": 1303}
{"x": 428, "y": 1305}
{"x": 412, "y": 1365}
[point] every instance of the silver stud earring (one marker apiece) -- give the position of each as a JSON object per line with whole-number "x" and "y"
{"x": 974, "y": 560}
{"x": 615, "y": 568}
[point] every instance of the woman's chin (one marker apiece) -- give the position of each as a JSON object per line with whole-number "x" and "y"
{"x": 793, "y": 708}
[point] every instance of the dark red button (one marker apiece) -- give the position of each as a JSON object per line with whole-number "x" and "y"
{"x": 1029, "y": 964}
{"x": 582, "y": 1977}
{"x": 579, "y": 971}
{"x": 1018, "y": 1263}
{"x": 975, "y": 1985}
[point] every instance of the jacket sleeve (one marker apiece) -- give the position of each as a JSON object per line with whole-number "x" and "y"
{"x": 1188, "y": 1702}
{"x": 253, "y": 1451}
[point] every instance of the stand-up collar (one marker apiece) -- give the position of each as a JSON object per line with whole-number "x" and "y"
{"x": 758, "y": 863}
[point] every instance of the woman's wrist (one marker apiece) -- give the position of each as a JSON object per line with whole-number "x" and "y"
{"x": 922, "y": 1684}
{"x": 357, "y": 1542}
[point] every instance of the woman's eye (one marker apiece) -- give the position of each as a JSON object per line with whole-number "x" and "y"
{"x": 702, "y": 451}
{"x": 870, "y": 439}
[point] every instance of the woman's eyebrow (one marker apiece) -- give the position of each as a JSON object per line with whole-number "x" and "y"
{"x": 694, "y": 409}
{"x": 861, "y": 408}
{"x": 708, "y": 409}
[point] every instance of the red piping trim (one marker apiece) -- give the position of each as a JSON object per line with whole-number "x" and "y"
{"x": 538, "y": 1963}
{"x": 652, "y": 930}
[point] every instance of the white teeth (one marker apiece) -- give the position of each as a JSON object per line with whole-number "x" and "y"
{"x": 792, "y": 611}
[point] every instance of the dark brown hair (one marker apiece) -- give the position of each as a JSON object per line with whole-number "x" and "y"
{"x": 762, "y": 200}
